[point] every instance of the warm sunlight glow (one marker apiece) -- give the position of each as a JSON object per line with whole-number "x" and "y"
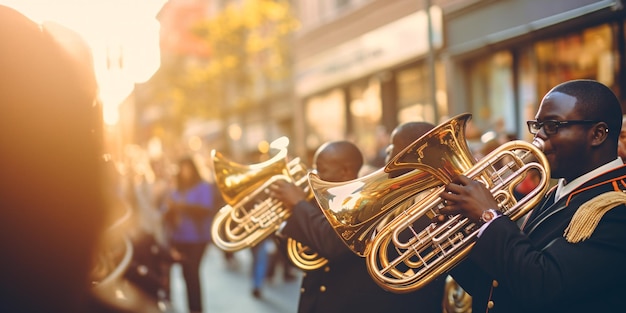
{"x": 123, "y": 36}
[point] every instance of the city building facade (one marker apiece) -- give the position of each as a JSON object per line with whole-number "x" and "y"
{"x": 365, "y": 66}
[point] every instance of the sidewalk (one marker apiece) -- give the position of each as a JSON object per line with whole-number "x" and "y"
{"x": 229, "y": 290}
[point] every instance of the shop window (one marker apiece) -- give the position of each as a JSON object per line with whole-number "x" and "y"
{"x": 588, "y": 54}
{"x": 413, "y": 86}
{"x": 414, "y": 95}
{"x": 528, "y": 97}
{"x": 490, "y": 87}
{"x": 366, "y": 115}
{"x": 326, "y": 118}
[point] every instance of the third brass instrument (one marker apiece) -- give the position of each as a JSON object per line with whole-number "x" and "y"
{"x": 405, "y": 251}
{"x": 250, "y": 214}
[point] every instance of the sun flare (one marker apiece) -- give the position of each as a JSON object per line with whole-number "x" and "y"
{"x": 123, "y": 36}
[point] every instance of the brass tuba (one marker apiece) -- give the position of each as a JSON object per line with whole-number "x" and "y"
{"x": 357, "y": 209}
{"x": 406, "y": 251}
{"x": 360, "y": 208}
{"x": 250, "y": 214}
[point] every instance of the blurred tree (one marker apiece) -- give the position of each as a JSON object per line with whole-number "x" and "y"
{"x": 239, "y": 55}
{"x": 250, "y": 54}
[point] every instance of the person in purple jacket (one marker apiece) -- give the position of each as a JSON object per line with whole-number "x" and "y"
{"x": 188, "y": 213}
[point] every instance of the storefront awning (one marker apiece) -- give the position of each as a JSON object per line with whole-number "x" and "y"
{"x": 503, "y": 20}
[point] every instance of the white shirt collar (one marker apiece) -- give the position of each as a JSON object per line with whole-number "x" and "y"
{"x": 564, "y": 189}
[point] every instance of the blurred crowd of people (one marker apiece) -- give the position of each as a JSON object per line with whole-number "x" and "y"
{"x": 174, "y": 205}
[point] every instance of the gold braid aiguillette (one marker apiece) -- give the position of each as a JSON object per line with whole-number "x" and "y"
{"x": 588, "y": 215}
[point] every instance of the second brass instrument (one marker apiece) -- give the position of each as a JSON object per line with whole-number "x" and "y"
{"x": 251, "y": 214}
{"x": 404, "y": 251}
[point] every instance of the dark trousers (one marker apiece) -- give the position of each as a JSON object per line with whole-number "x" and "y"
{"x": 192, "y": 254}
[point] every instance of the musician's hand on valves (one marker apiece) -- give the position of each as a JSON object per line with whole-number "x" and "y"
{"x": 286, "y": 192}
{"x": 467, "y": 197}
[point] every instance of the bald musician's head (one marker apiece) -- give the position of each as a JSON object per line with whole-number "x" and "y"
{"x": 404, "y": 135}
{"x": 338, "y": 161}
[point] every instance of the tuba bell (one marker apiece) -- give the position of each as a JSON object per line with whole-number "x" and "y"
{"x": 357, "y": 209}
{"x": 404, "y": 251}
{"x": 250, "y": 214}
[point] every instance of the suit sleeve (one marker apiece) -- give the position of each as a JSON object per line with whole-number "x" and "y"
{"x": 561, "y": 271}
{"x": 308, "y": 225}
{"x": 473, "y": 280}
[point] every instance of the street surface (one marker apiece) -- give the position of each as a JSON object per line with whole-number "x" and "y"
{"x": 228, "y": 288}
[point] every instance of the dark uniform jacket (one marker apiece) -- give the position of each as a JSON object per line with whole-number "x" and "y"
{"x": 538, "y": 270}
{"x": 344, "y": 285}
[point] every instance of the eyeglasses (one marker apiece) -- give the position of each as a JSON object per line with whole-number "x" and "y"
{"x": 552, "y": 127}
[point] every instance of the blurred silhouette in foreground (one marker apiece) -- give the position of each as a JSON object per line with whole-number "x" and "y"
{"x": 63, "y": 234}
{"x": 51, "y": 191}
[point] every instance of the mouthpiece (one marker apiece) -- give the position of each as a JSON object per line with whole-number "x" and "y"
{"x": 539, "y": 143}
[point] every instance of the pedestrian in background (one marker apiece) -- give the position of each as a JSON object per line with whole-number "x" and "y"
{"x": 279, "y": 262}
{"x": 151, "y": 261}
{"x": 260, "y": 263}
{"x": 187, "y": 214}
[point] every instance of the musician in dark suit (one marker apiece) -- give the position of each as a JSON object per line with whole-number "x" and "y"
{"x": 570, "y": 253}
{"x": 343, "y": 285}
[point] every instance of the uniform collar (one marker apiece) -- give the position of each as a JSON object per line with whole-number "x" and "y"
{"x": 563, "y": 188}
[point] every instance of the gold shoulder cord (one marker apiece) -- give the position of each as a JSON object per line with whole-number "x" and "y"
{"x": 588, "y": 215}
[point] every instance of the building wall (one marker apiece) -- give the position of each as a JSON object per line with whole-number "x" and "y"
{"x": 489, "y": 64}
{"x": 346, "y": 66}
{"x": 500, "y": 70}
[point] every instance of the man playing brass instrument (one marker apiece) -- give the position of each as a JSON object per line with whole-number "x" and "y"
{"x": 344, "y": 285}
{"x": 570, "y": 253}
